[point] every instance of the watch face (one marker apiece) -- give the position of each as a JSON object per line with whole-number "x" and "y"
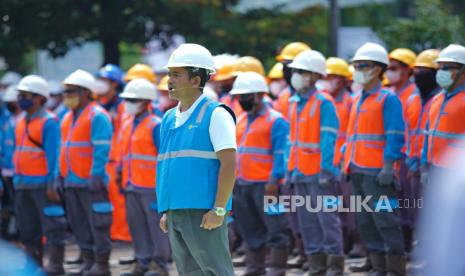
{"x": 220, "y": 211}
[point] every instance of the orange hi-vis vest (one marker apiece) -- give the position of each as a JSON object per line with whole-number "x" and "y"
{"x": 76, "y": 144}
{"x": 406, "y": 99}
{"x": 233, "y": 103}
{"x": 29, "y": 159}
{"x": 365, "y": 133}
{"x": 417, "y": 128}
{"x": 305, "y": 152}
{"x": 281, "y": 104}
{"x": 343, "y": 113}
{"x": 255, "y": 155}
{"x": 446, "y": 128}
{"x": 139, "y": 152}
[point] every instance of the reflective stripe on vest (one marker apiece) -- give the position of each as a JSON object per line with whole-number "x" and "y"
{"x": 343, "y": 113}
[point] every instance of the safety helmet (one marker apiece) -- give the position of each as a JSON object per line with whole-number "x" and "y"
{"x": 404, "y": 55}
{"x": 224, "y": 73}
{"x": 337, "y": 66}
{"x": 291, "y": 50}
{"x": 427, "y": 59}
{"x": 372, "y": 52}
{"x": 192, "y": 55}
{"x": 140, "y": 71}
{"x": 310, "y": 60}
{"x": 11, "y": 94}
{"x": 111, "y": 72}
{"x": 81, "y": 78}
{"x": 34, "y": 84}
{"x": 276, "y": 71}
{"x": 163, "y": 84}
{"x": 139, "y": 89}
{"x": 248, "y": 64}
{"x": 56, "y": 87}
{"x": 10, "y": 78}
{"x": 249, "y": 82}
{"x": 452, "y": 53}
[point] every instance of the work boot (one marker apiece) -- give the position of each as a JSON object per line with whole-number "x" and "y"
{"x": 378, "y": 263}
{"x": 101, "y": 267}
{"x": 358, "y": 251}
{"x": 156, "y": 270}
{"x": 396, "y": 265}
{"x": 335, "y": 265}
{"x": 365, "y": 267}
{"x": 255, "y": 262}
{"x": 88, "y": 260}
{"x": 136, "y": 270}
{"x": 35, "y": 252}
{"x": 278, "y": 262}
{"x": 56, "y": 254}
{"x": 317, "y": 264}
{"x": 75, "y": 261}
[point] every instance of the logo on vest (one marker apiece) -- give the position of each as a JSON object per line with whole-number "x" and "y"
{"x": 191, "y": 126}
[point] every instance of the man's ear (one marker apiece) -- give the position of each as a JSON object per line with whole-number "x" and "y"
{"x": 195, "y": 81}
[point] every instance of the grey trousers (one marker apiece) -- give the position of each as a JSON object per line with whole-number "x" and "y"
{"x": 256, "y": 227}
{"x": 37, "y": 216}
{"x": 150, "y": 243}
{"x": 90, "y": 216}
{"x": 197, "y": 251}
{"x": 381, "y": 231}
{"x": 321, "y": 232}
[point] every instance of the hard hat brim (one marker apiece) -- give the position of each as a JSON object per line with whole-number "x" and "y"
{"x": 365, "y": 58}
{"x": 126, "y": 95}
{"x": 244, "y": 91}
{"x": 181, "y": 65}
{"x": 448, "y": 60}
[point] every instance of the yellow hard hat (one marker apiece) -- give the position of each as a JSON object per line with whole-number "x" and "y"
{"x": 276, "y": 71}
{"x": 224, "y": 73}
{"x": 291, "y": 50}
{"x": 337, "y": 66}
{"x": 140, "y": 71}
{"x": 403, "y": 55}
{"x": 248, "y": 64}
{"x": 163, "y": 84}
{"x": 351, "y": 71}
{"x": 427, "y": 58}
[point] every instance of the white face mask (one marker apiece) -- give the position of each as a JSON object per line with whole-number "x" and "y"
{"x": 363, "y": 78}
{"x": 132, "y": 108}
{"x": 101, "y": 87}
{"x": 51, "y": 103}
{"x": 393, "y": 76}
{"x": 444, "y": 78}
{"x": 276, "y": 87}
{"x": 299, "y": 82}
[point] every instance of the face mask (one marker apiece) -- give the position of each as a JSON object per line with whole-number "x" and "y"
{"x": 356, "y": 88}
{"x": 393, "y": 76}
{"x": 25, "y": 104}
{"x": 11, "y": 107}
{"x": 101, "y": 87}
{"x": 71, "y": 102}
{"x": 247, "y": 104}
{"x": 132, "y": 108}
{"x": 276, "y": 87}
{"x": 444, "y": 78}
{"x": 297, "y": 81}
{"x": 426, "y": 82}
{"x": 363, "y": 78}
{"x": 51, "y": 103}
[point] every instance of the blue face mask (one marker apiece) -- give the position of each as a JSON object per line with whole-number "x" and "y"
{"x": 25, "y": 104}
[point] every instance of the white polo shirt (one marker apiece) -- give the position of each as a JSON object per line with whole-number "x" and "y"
{"x": 222, "y": 127}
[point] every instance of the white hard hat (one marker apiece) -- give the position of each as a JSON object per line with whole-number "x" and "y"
{"x": 56, "y": 88}
{"x": 310, "y": 60}
{"x": 81, "y": 78}
{"x": 249, "y": 82}
{"x": 10, "y": 78}
{"x": 34, "y": 84}
{"x": 140, "y": 89}
{"x": 372, "y": 52}
{"x": 210, "y": 93}
{"x": 11, "y": 94}
{"x": 192, "y": 55}
{"x": 452, "y": 53}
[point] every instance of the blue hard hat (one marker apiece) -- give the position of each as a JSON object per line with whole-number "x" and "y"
{"x": 111, "y": 72}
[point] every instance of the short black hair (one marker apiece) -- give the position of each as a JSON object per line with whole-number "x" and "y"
{"x": 204, "y": 75}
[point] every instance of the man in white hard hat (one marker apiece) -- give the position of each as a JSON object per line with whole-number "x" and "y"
{"x": 313, "y": 134}
{"x": 196, "y": 167}
{"x": 9, "y": 78}
{"x": 55, "y": 102}
{"x": 86, "y": 136}
{"x": 375, "y": 137}
{"x": 39, "y": 210}
{"x": 139, "y": 141}
{"x": 262, "y": 139}
{"x": 445, "y": 127}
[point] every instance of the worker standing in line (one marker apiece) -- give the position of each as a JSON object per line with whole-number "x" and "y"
{"x": 165, "y": 102}
{"x": 140, "y": 137}
{"x": 86, "y": 138}
{"x": 55, "y": 102}
{"x": 375, "y": 137}
{"x": 261, "y": 138}
{"x": 313, "y": 134}
{"x": 399, "y": 74}
{"x": 276, "y": 80}
{"x": 196, "y": 167}
{"x": 38, "y": 207}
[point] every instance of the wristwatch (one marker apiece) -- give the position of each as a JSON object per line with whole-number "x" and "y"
{"x": 219, "y": 211}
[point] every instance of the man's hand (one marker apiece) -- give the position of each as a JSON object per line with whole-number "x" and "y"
{"x": 211, "y": 221}
{"x": 386, "y": 175}
{"x": 272, "y": 188}
{"x": 164, "y": 223}
{"x": 53, "y": 195}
